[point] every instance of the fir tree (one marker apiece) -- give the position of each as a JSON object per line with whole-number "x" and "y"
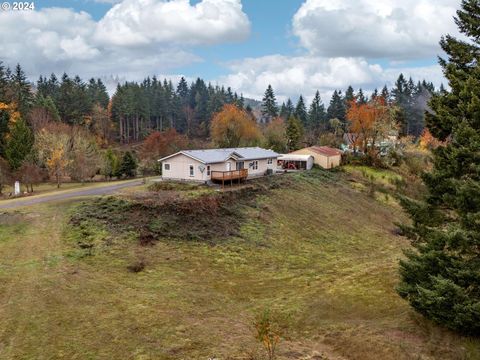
{"x": 440, "y": 278}
{"x": 336, "y": 109}
{"x": 21, "y": 91}
{"x": 128, "y": 166}
{"x": 294, "y": 133}
{"x": 316, "y": 114}
{"x": 269, "y": 105}
{"x": 301, "y": 111}
{"x": 361, "y": 99}
{"x": 19, "y": 145}
{"x": 349, "y": 97}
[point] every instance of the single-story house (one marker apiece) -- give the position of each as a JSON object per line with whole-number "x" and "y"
{"x": 222, "y": 165}
{"x": 324, "y": 156}
{"x": 295, "y": 162}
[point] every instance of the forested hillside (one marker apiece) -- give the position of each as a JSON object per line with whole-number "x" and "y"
{"x": 66, "y": 127}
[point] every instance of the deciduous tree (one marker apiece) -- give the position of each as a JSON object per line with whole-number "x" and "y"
{"x": 233, "y": 127}
{"x": 275, "y": 135}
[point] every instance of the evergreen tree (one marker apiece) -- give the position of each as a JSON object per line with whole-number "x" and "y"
{"x": 294, "y": 133}
{"x": 385, "y": 94}
{"x": 301, "y": 111}
{"x": 336, "y": 109}
{"x": 269, "y": 105}
{"x": 316, "y": 114}
{"x": 3, "y": 83}
{"x": 288, "y": 111}
{"x": 21, "y": 91}
{"x": 440, "y": 278}
{"x": 182, "y": 90}
{"x": 361, "y": 99}
{"x": 349, "y": 97}
{"x": 97, "y": 93}
{"x": 128, "y": 166}
{"x": 19, "y": 145}
{"x": 4, "y": 130}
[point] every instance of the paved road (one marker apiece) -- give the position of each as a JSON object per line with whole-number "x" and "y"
{"x": 103, "y": 190}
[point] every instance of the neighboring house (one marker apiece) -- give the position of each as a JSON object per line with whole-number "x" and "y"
{"x": 324, "y": 156}
{"x": 230, "y": 164}
{"x": 295, "y": 162}
{"x": 352, "y": 143}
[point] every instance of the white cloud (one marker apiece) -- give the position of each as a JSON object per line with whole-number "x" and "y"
{"x": 134, "y": 22}
{"x": 390, "y": 29}
{"x": 292, "y": 76}
{"x": 134, "y": 38}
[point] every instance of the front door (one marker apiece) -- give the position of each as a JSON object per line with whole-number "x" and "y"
{"x": 229, "y": 166}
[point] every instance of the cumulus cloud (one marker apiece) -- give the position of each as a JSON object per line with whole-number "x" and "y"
{"x": 134, "y": 22}
{"x": 292, "y": 76}
{"x": 390, "y": 29}
{"x": 134, "y": 38}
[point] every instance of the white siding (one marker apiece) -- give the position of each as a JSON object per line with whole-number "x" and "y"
{"x": 180, "y": 168}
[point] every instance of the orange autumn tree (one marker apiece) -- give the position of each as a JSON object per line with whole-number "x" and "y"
{"x": 427, "y": 141}
{"x": 157, "y": 145}
{"x": 371, "y": 123}
{"x": 162, "y": 143}
{"x": 233, "y": 127}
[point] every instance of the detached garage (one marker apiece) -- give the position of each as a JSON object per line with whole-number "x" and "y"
{"x": 295, "y": 162}
{"x": 324, "y": 156}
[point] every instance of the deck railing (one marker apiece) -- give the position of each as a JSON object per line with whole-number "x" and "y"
{"x": 229, "y": 175}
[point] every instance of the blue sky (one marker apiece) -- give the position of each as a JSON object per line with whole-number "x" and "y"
{"x": 298, "y": 46}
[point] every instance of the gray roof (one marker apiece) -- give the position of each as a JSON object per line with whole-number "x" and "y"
{"x": 211, "y": 156}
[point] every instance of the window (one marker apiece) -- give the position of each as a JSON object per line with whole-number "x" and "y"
{"x": 270, "y": 161}
{"x": 255, "y": 165}
{"x": 192, "y": 170}
{"x": 240, "y": 165}
{"x": 166, "y": 167}
{"x": 208, "y": 170}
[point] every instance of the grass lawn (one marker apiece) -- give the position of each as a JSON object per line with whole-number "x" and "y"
{"x": 319, "y": 254}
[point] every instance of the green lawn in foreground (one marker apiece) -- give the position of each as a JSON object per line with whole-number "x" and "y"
{"x": 318, "y": 253}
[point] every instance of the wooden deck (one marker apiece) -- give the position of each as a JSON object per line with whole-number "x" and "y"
{"x": 229, "y": 176}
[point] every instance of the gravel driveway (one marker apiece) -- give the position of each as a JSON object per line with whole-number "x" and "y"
{"x": 108, "y": 189}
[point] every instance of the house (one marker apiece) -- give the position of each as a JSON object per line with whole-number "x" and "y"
{"x": 231, "y": 164}
{"x": 352, "y": 143}
{"x": 295, "y": 162}
{"x": 324, "y": 156}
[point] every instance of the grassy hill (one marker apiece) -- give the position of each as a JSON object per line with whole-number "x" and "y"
{"x": 317, "y": 250}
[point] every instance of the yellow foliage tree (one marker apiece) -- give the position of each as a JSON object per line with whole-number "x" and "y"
{"x": 233, "y": 127}
{"x": 53, "y": 147}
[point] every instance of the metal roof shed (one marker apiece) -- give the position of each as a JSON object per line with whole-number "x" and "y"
{"x": 295, "y": 162}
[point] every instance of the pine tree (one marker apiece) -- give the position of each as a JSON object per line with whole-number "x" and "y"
{"x": 336, "y": 109}
{"x": 19, "y": 145}
{"x": 128, "y": 166}
{"x": 440, "y": 277}
{"x": 349, "y": 97}
{"x": 288, "y": 111}
{"x": 21, "y": 91}
{"x": 385, "y": 94}
{"x": 269, "y": 105}
{"x": 316, "y": 114}
{"x": 294, "y": 133}
{"x": 301, "y": 111}
{"x": 361, "y": 99}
